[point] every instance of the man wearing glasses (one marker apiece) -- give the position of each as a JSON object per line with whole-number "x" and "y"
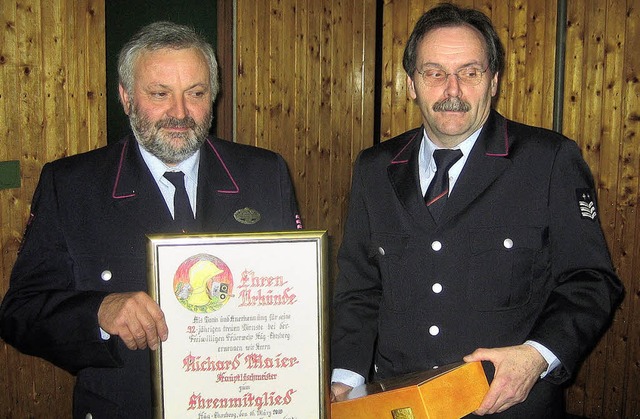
{"x": 472, "y": 237}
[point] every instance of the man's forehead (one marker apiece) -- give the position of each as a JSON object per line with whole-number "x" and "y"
{"x": 169, "y": 62}
{"x": 160, "y": 53}
{"x": 452, "y": 41}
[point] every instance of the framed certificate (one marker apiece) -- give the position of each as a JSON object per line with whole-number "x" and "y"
{"x": 248, "y": 325}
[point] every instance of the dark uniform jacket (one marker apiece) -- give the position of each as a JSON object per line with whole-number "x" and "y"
{"x": 518, "y": 254}
{"x": 86, "y": 238}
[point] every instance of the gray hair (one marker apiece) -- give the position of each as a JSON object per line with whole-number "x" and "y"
{"x": 161, "y": 35}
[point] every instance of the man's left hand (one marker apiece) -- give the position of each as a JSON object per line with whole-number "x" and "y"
{"x": 517, "y": 370}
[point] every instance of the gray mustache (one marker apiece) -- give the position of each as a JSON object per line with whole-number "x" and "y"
{"x": 452, "y": 104}
{"x": 187, "y": 122}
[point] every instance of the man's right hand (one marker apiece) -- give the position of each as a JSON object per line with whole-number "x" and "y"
{"x": 339, "y": 389}
{"x": 135, "y": 317}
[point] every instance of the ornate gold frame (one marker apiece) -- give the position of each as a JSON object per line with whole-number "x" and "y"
{"x": 248, "y": 325}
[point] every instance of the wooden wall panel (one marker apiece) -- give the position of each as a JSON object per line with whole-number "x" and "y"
{"x": 602, "y": 114}
{"x": 627, "y": 256}
{"x": 305, "y": 82}
{"x": 52, "y": 84}
{"x": 224, "y": 105}
{"x": 305, "y": 88}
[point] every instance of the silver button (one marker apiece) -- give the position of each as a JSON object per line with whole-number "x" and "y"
{"x": 436, "y": 245}
{"x": 88, "y": 416}
{"x": 434, "y": 330}
{"x": 437, "y": 288}
{"x": 106, "y": 275}
{"x": 507, "y": 243}
{"x": 381, "y": 251}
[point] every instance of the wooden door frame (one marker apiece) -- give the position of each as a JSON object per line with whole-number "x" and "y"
{"x": 224, "y": 106}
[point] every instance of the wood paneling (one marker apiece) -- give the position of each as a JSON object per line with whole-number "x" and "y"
{"x": 52, "y": 85}
{"x": 305, "y": 87}
{"x": 305, "y": 84}
{"x": 224, "y": 54}
{"x": 602, "y": 115}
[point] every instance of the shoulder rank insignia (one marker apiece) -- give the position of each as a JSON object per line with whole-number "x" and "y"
{"x": 586, "y": 203}
{"x": 247, "y": 216}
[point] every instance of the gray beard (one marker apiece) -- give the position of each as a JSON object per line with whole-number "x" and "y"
{"x": 162, "y": 145}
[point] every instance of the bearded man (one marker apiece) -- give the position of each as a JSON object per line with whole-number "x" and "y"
{"x": 77, "y": 296}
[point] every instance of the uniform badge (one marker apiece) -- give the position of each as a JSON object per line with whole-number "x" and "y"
{"x": 586, "y": 203}
{"x": 247, "y": 216}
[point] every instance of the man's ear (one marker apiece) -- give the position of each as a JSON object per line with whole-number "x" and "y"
{"x": 124, "y": 99}
{"x": 412, "y": 88}
{"x": 494, "y": 85}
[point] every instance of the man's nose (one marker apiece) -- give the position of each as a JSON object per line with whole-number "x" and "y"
{"x": 178, "y": 108}
{"x": 452, "y": 85}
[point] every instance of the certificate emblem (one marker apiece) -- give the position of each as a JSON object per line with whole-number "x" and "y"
{"x": 203, "y": 283}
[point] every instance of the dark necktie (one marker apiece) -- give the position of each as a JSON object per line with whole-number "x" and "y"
{"x": 438, "y": 190}
{"x": 182, "y": 213}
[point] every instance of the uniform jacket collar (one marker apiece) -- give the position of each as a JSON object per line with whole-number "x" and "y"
{"x": 135, "y": 188}
{"x": 487, "y": 161}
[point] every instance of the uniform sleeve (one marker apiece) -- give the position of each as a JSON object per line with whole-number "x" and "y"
{"x": 358, "y": 288}
{"x": 43, "y": 314}
{"x": 586, "y": 289}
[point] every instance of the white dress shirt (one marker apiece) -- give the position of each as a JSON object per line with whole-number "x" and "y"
{"x": 190, "y": 169}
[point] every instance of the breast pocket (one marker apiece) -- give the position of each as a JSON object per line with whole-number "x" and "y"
{"x": 390, "y": 253}
{"x": 502, "y": 266}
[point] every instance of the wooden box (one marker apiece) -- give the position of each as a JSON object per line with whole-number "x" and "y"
{"x": 451, "y": 391}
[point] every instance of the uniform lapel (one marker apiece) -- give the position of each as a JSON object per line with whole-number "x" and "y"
{"x": 135, "y": 192}
{"x": 403, "y": 175}
{"x": 486, "y": 162}
{"x": 218, "y": 191}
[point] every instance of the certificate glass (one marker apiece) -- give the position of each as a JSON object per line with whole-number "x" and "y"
{"x": 248, "y": 327}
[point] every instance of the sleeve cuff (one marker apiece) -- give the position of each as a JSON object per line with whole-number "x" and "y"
{"x": 104, "y": 335}
{"x": 552, "y": 361}
{"x": 347, "y": 377}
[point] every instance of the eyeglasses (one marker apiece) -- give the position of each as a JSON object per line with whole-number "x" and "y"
{"x": 469, "y": 76}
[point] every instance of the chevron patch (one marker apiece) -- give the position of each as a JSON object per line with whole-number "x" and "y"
{"x": 586, "y": 203}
